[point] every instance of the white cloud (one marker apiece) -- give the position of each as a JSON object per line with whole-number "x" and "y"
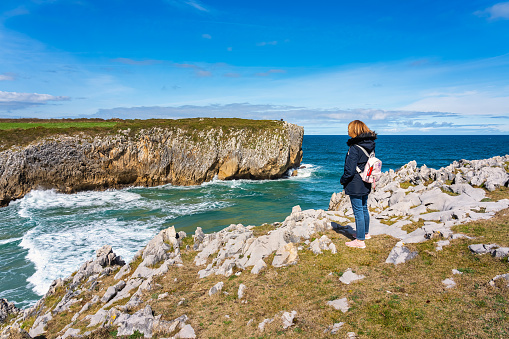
{"x": 269, "y": 72}
{"x": 7, "y": 77}
{"x": 206, "y": 36}
{"x": 265, "y": 43}
{"x": 497, "y": 11}
{"x": 128, "y": 61}
{"x": 190, "y": 3}
{"x": 15, "y": 100}
{"x": 466, "y": 102}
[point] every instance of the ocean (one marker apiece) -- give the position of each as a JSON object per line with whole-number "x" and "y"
{"x": 47, "y": 235}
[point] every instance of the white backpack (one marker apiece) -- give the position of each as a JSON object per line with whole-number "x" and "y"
{"x": 373, "y": 169}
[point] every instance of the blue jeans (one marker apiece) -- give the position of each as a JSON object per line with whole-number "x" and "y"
{"x": 361, "y": 213}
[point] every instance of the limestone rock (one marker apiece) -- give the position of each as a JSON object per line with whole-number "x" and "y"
{"x": 241, "y": 291}
{"x": 449, "y": 283}
{"x": 349, "y": 276}
{"x": 287, "y": 319}
{"x": 500, "y": 276}
{"x": 261, "y": 326}
{"x": 400, "y": 254}
{"x": 6, "y": 309}
{"x": 216, "y": 288}
{"x": 186, "y": 332}
{"x": 482, "y": 248}
{"x": 260, "y": 265}
{"x": 500, "y": 252}
{"x": 149, "y": 157}
{"x": 286, "y": 255}
{"x": 339, "y": 304}
{"x": 39, "y": 326}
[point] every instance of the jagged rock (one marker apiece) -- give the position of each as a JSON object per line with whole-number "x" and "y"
{"x": 323, "y": 243}
{"x": 186, "y": 332}
{"x": 482, "y": 248}
{"x": 287, "y": 319}
{"x": 261, "y": 326}
{"x": 349, "y": 277}
{"x": 500, "y": 252}
{"x": 334, "y": 329}
{"x": 240, "y": 293}
{"x": 441, "y": 244}
{"x": 491, "y": 177}
{"x": 104, "y": 258}
{"x": 455, "y": 271}
{"x": 142, "y": 321}
{"x": 112, "y": 291}
{"x": 216, "y": 288}
{"x": 400, "y": 254}
{"x": 149, "y": 157}
{"x": 14, "y": 332}
{"x": 71, "y": 332}
{"x": 123, "y": 271}
{"x": 500, "y": 276}
{"x": 449, "y": 283}
{"x": 198, "y": 238}
{"x": 6, "y": 309}
{"x": 39, "y": 326}
{"x": 339, "y": 304}
{"x": 286, "y": 255}
{"x": 260, "y": 265}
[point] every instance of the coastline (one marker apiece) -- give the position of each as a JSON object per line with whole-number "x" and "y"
{"x": 443, "y": 205}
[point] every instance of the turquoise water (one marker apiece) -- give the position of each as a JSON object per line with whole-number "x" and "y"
{"x": 47, "y": 235}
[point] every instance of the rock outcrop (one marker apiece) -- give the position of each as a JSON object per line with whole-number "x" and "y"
{"x": 123, "y": 303}
{"x": 431, "y": 200}
{"x": 149, "y": 157}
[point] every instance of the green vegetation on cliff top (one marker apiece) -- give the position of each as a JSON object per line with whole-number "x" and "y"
{"x": 21, "y": 132}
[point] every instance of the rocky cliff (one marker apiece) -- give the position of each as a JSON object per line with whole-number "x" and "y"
{"x": 150, "y": 157}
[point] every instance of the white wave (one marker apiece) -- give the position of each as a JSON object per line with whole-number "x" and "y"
{"x": 7, "y": 241}
{"x": 58, "y": 252}
{"x": 47, "y": 199}
{"x": 306, "y": 171}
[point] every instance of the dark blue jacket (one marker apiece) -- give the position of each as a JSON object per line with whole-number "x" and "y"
{"x": 351, "y": 180}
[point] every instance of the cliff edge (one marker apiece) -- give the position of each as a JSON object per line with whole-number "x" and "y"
{"x": 189, "y": 154}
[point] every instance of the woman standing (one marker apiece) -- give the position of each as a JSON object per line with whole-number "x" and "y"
{"x": 357, "y": 189}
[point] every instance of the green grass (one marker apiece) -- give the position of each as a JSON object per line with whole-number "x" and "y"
{"x": 21, "y": 132}
{"x": 51, "y": 125}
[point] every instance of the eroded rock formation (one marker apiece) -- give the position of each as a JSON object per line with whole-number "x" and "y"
{"x": 149, "y": 157}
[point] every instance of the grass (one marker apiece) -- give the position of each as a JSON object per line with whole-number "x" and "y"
{"x": 498, "y": 194}
{"x": 21, "y": 132}
{"x": 406, "y": 184}
{"x": 403, "y": 301}
{"x": 409, "y": 228}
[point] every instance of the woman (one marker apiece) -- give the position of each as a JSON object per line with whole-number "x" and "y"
{"x": 357, "y": 189}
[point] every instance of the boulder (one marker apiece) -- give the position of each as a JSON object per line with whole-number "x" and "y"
{"x": 260, "y": 265}
{"x": 349, "y": 276}
{"x": 400, "y": 254}
{"x": 216, "y": 288}
{"x": 482, "y": 248}
{"x": 339, "y": 304}
{"x": 287, "y": 319}
{"x": 7, "y": 309}
{"x": 286, "y": 255}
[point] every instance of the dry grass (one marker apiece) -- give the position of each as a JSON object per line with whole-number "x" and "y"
{"x": 409, "y": 228}
{"x": 407, "y": 301}
{"x": 404, "y": 301}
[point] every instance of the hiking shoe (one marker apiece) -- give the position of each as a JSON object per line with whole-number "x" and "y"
{"x": 355, "y": 244}
{"x": 366, "y": 237}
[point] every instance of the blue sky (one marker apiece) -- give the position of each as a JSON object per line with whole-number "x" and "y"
{"x": 403, "y": 67}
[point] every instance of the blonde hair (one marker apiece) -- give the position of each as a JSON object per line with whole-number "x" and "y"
{"x": 356, "y": 128}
